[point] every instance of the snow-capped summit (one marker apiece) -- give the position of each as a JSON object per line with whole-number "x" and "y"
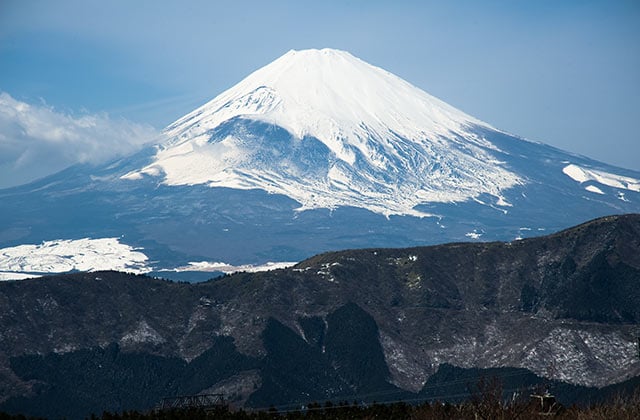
{"x": 314, "y": 129}
{"x": 327, "y": 129}
{"x": 332, "y": 96}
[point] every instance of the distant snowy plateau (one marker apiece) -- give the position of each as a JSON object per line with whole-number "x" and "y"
{"x": 316, "y": 151}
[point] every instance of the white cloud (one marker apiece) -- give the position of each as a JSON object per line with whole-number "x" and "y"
{"x": 36, "y": 140}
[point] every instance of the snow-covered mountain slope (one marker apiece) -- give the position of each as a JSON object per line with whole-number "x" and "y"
{"x": 327, "y": 130}
{"x": 314, "y": 130}
{"x": 61, "y": 256}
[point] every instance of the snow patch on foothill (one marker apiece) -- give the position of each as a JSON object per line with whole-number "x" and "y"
{"x": 65, "y": 255}
{"x": 226, "y": 268}
{"x": 577, "y": 353}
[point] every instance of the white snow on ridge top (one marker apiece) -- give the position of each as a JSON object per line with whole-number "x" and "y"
{"x": 61, "y": 256}
{"x": 208, "y": 266}
{"x": 580, "y": 174}
{"x": 361, "y": 137}
{"x": 329, "y": 94}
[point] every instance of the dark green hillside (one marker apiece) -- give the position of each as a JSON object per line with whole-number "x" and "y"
{"x": 78, "y": 383}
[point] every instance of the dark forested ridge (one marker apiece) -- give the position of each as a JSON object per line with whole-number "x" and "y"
{"x": 371, "y": 325}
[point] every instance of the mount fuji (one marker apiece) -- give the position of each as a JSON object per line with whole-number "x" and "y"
{"x": 316, "y": 151}
{"x": 329, "y": 130}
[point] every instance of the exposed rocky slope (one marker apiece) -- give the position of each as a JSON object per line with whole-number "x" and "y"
{"x": 351, "y": 323}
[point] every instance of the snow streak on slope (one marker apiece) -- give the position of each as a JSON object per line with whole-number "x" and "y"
{"x": 61, "y": 256}
{"x": 580, "y": 174}
{"x": 358, "y": 136}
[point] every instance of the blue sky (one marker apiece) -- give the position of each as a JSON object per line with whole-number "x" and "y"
{"x": 564, "y": 73}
